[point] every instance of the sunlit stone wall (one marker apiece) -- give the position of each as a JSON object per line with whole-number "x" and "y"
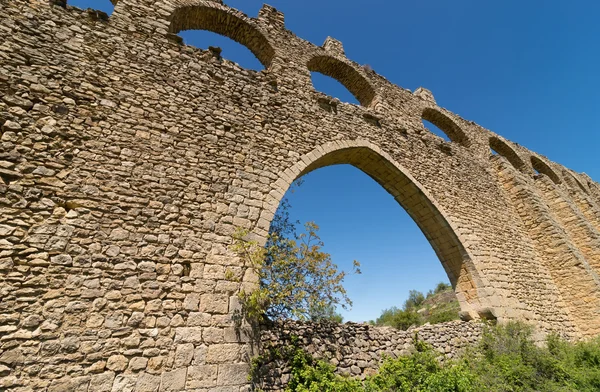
{"x": 127, "y": 160}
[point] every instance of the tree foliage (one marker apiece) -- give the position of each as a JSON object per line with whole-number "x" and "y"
{"x": 297, "y": 279}
{"x": 398, "y": 318}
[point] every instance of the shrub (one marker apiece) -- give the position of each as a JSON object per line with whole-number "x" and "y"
{"x": 505, "y": 360}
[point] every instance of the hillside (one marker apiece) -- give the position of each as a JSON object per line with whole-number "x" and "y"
{"x": 438, "y": 306}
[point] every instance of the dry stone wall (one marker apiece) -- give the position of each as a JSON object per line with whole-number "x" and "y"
{"x": 356, "y": 350}
{"x": 127, "y": 160}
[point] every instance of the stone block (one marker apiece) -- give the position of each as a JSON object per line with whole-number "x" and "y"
{"x": 184, "y": 353}
{"x": 174, "y": 380}
{"x": 147, "y": 382}
{"x": 214, "y": 303}
{"x": 233, "y": 374}
{"x": 223, "y": 353}
{"x": 203, "y": 376}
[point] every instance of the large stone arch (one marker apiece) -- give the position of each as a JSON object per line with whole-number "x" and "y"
{"x": 409, "y": 193}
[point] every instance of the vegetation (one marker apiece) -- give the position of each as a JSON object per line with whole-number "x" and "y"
{"x": 506, "y": 360}
{"x": 438, "y": 306}
{"x": 297, "y": 280}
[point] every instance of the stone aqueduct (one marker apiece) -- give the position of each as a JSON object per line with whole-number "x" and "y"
{"x": 127, "y": 160}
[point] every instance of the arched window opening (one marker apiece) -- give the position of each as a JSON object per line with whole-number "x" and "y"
{"x": 332, "y": 87}
{"x": 219, "y": 21}
{"x": 541, "y": 167}
{"x": 106, "y": 6}
{"x": 222, "y": 47}
{"x": 445, "y": 125}
{"x": 431, "y": 127}
{"x": 346, "y": 75}
{"x": 573, "y": 181}
{"x": 334, "y": 167}
{"x": 501, "y": 148}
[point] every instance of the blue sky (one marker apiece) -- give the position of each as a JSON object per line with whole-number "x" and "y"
{"x": 527, "y": 70}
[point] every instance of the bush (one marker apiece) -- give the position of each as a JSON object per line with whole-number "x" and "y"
{"x": 399, "y": 318}
{"x": 505, "y": 360}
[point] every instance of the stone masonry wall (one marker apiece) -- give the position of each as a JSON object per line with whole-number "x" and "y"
{"x": 127, "y": 160}
{"x": 356, "y": 350}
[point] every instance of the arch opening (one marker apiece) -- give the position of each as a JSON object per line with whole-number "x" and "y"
{"x": 332, "y": 87}
{"x": 542, "y": 167}
{"x": 106, "y": 6}
{"x": 431, "y": 127}
{"x": 222, "y": 47}
{"x": 394, "y": 255}
{"x": 346, "y": 75}
{"x": 573, "y": 181}
{"x": 412, "y": 198}
{"x": 503, "y": 149}
{"x": 224, "y": 23}
{"x": 446, "y": 125}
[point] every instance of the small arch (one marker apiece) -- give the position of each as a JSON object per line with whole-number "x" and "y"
{"x": 573, "y": 181}
{"x": 226, "y": 23}
{"x": 407, "y": 191}
{"x": 506, "y": 151}
{"x": 446, "y": 125}
{"x": 344, "y": 73}
{"x": 543, "y": 168}
{"x": 431, "y": 127}
{"x": 332, "y": 87}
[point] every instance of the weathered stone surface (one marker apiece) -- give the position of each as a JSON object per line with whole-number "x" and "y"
{"x": 117, "y": 363}
{"x": 127, "y": 160}
{"x": 147, "y": 383}
{"x": 174, "y": 380}
{"x": 203, "y": 376}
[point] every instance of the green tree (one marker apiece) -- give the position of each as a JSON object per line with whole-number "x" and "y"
{"x": 398, "y": 318}
{"x": 414, "y": 300}
{"x": 297, "y": 279}
{"x": 326, "y": 313}
{"x": 442, "y": 286}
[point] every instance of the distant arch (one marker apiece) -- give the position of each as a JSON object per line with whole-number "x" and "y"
{"x": 543, "y": 168}
{"x": 506, "y": 151}
{"x": 447, "y": 125}
{"x": 344, "y": 73}
{"x": 223, "y": 22}
{"x": 573, "y": 181}
{"x": 407, "y": 191}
